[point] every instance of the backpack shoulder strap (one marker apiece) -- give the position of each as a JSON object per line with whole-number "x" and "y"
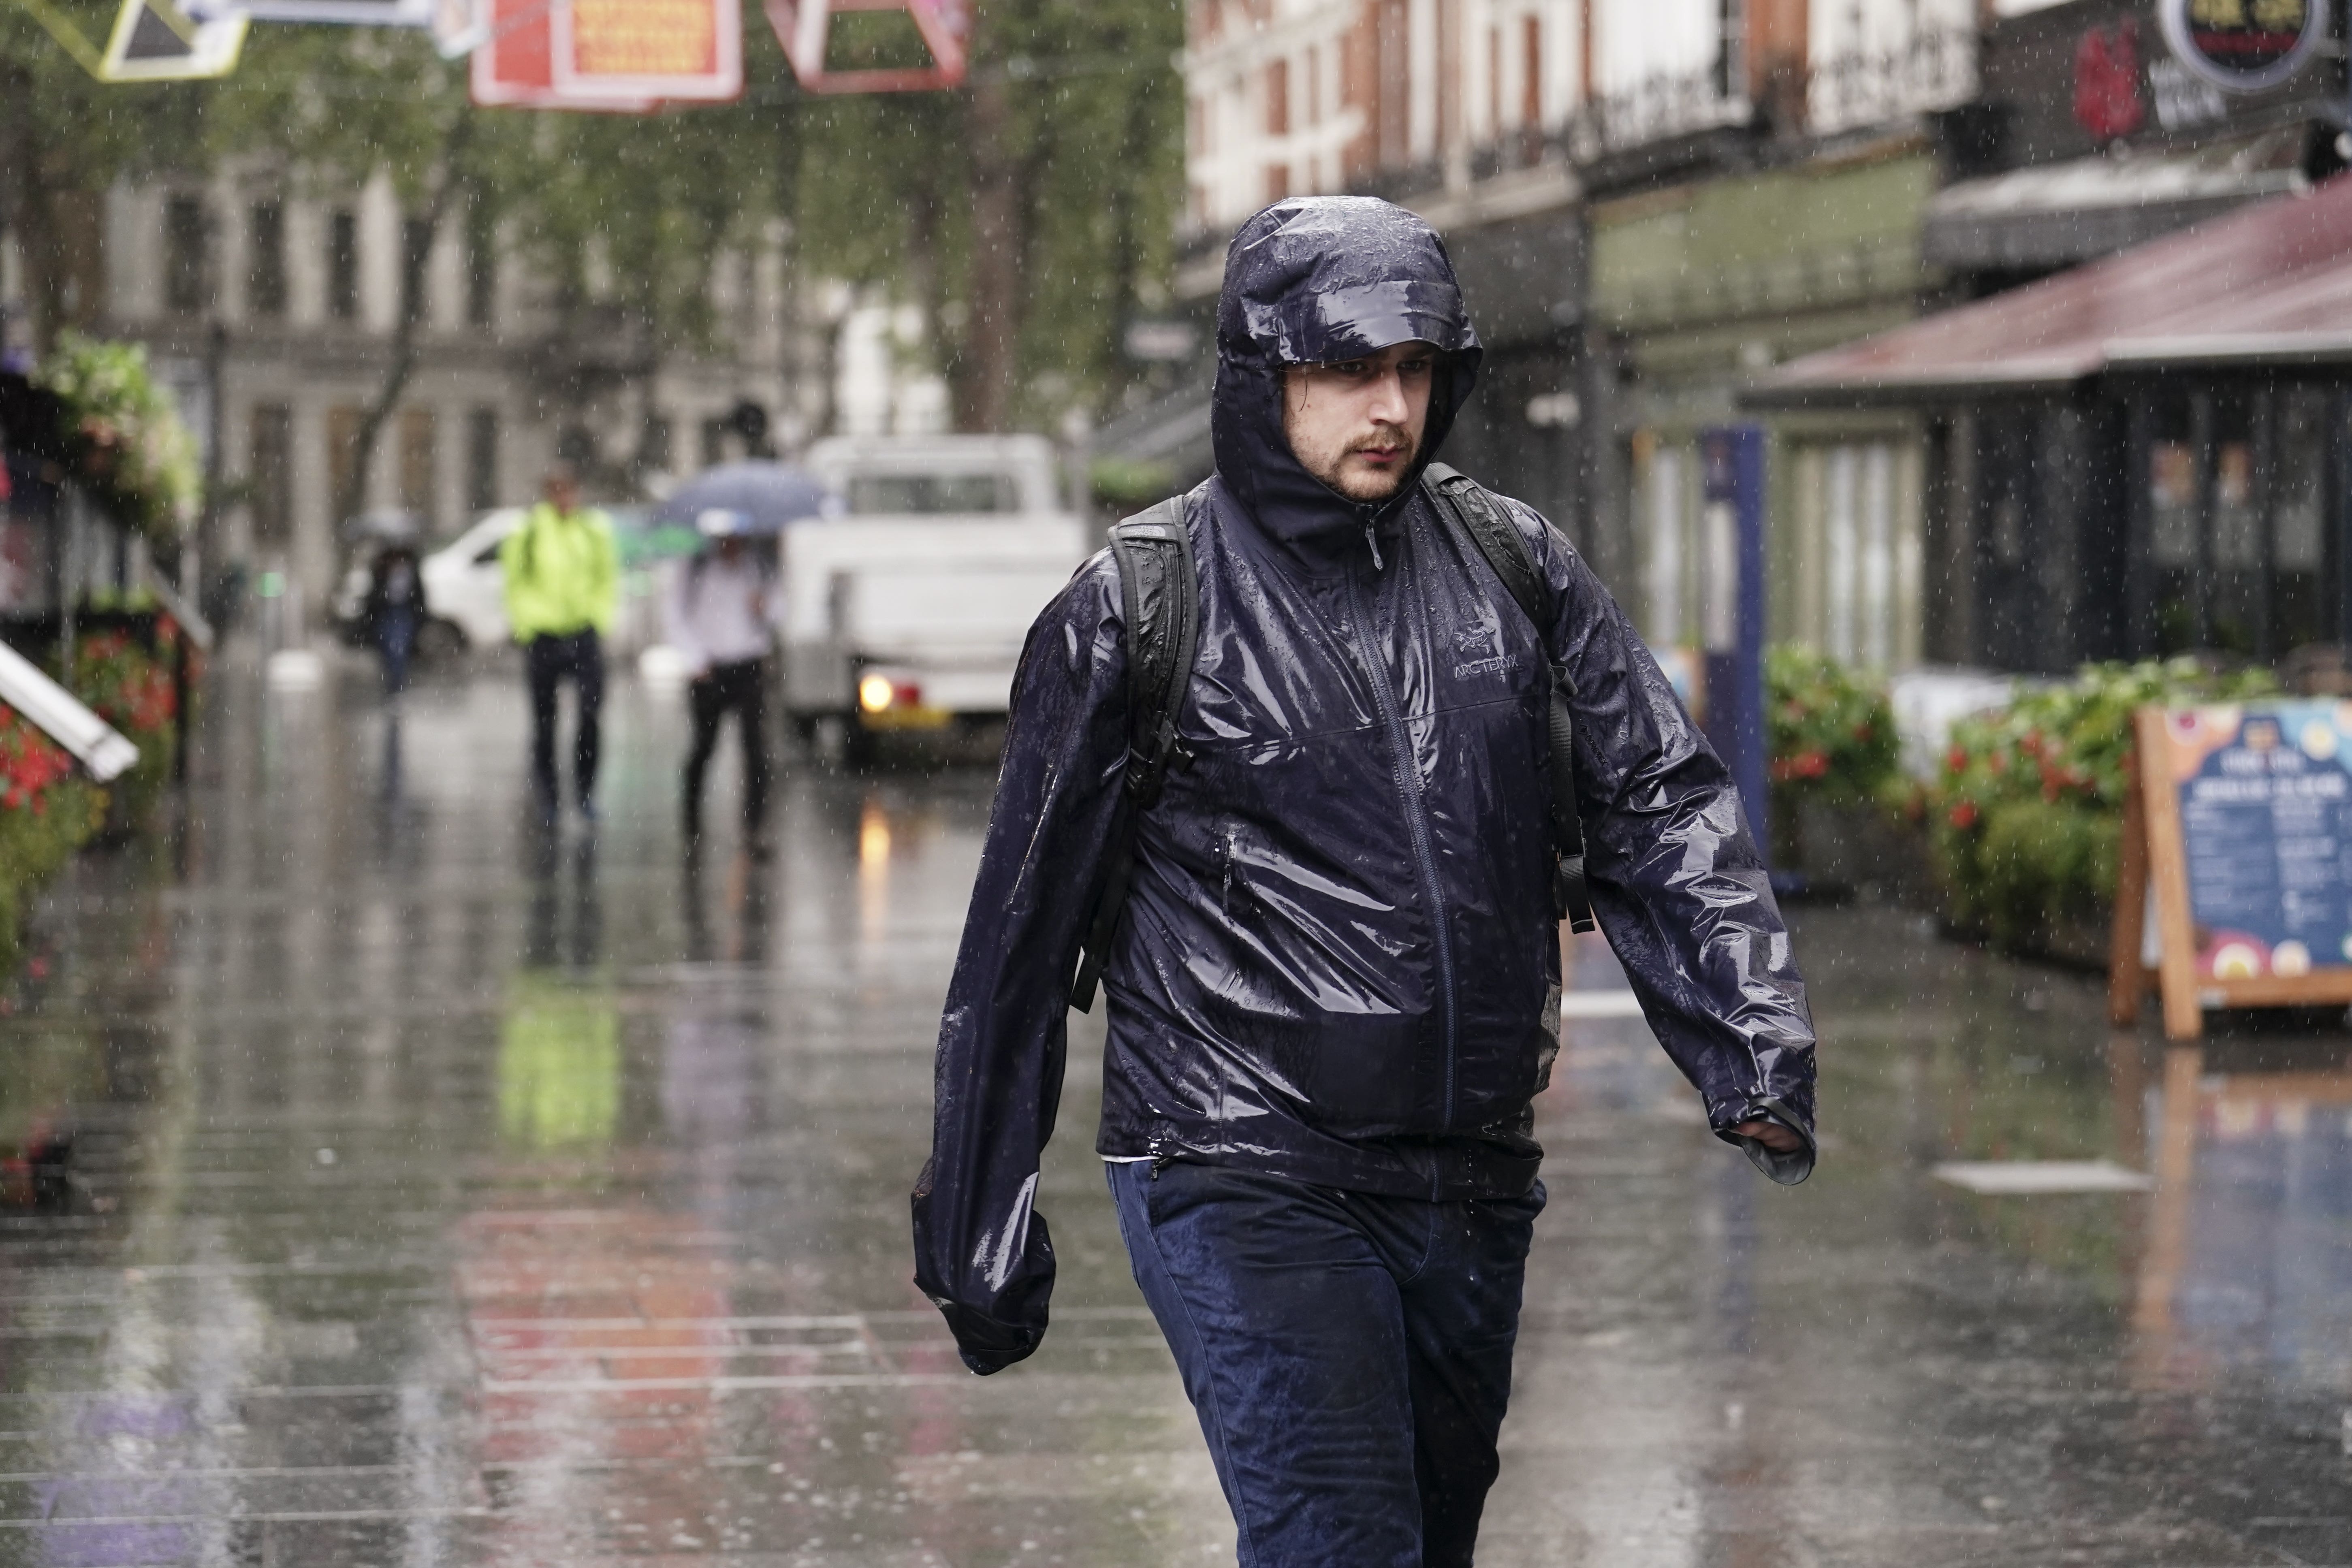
{"x": 1160, "y": 604}
{"x": 1497, "y": 537}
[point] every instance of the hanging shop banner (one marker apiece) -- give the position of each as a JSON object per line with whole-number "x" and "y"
{"x": 514, "y": 65}
{"x": 685, "y": 50}
{"x": 2243, "y": 46}
{"x": 2243, "y": 827}
{"x": 348, "y": 13}
{"x": 154, "y": 41}
{"x": 459, "y": 28}
{"x": 805, "y": 27}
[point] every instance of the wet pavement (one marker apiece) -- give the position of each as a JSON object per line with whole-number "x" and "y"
{"x": 442, "y": 1193}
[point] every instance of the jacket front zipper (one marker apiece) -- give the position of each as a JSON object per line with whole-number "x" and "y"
{"x": 1416, "y": 817}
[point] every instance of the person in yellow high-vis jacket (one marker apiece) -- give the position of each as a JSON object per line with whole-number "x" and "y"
{"x": 562, "y": 590}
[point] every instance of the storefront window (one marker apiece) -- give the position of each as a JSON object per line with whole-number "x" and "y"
{"x": 2299, "y": 601}
{"x": 2238, "y": 585}
{"x": 2172, "y": 503}
{"x": 1666, "y": 503}
{"x": 2172, "y": 523}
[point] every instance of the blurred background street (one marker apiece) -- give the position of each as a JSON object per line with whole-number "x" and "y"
{"x": 443, "y": 1191}
{"x": 407, "y": 1157}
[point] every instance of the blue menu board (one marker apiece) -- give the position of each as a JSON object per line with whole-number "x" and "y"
{"x": 2266, "y": 829}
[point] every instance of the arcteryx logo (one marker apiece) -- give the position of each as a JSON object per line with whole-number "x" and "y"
{"x": 1471, "y": 642}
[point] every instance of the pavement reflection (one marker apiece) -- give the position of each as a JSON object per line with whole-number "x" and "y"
{"x": 391, "y": 1183}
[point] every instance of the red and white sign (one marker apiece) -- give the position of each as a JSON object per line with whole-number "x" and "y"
{"x": 514, "y": 65}
{"x": 670, "y": 49}
{"x": 805, "y": 27}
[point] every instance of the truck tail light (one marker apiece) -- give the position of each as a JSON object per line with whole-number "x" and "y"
{"x": 879, "y": 693}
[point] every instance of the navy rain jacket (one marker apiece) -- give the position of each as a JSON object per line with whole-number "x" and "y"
{"x": 1339, "y": 960}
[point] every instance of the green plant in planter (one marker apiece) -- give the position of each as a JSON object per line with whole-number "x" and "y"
{"x": 45, "y": 813}
{"x": 2026, "y": 814}
{"x": 130, "y": 447}
{"x": 1830, "y": 730}
{"x": 131, "y": 688}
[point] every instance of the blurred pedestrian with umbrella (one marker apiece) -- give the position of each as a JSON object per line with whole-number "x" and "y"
{"x": 766, "y": 496}
{"x": 394, "y": 611}
{"x": 722, "y": 614}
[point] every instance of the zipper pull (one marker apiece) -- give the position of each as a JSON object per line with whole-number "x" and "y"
{"x": 1374, "y": 546}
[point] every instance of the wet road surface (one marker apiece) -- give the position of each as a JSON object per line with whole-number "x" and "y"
{"x": 444, "y": 1194}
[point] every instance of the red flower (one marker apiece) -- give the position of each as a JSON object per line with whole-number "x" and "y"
{"x": 1964, "y": 815}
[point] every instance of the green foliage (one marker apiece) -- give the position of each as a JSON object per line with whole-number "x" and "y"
{"x": 2025, "y": 816}
{"x": 131, "y": 688}
{"x": 1830, "y": 730}
{"x": 1092, "y": 141}
{"x": 45, "y": 813}
{"x": 133, "y": 452}
{"x": 627, "y": 213}
{"x": 1129, "y": 485}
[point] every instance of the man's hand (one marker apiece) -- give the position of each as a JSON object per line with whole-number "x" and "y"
{"x": 1772, "y": 1135}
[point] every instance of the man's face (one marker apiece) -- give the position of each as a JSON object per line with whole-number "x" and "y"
{"x": 562, "y": 492}
{"x": 1357, "y": 424}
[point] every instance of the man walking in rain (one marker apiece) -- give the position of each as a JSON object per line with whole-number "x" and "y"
{"x": 562, "y": 590}
{"x": 1333, "y": 981}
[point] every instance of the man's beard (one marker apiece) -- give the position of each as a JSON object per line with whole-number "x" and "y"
{"x": 1378, "y": 484}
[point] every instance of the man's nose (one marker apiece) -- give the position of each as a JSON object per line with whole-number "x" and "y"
{"x": 1388, "y": 397}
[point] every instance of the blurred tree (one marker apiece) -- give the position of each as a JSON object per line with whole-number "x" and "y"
{"x": 1030, "y": 212}
{"x": 632, "y": 217}
{"x": 64, "y": 138}
{"x": 337, "y": 106}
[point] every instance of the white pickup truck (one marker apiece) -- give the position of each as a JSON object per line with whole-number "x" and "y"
{"x": 907, "y": 610}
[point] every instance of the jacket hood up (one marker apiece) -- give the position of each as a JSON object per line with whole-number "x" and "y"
{"x": 1314, "y": 280}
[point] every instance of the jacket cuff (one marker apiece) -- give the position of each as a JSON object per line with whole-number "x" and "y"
{"x": 1785, "y": 1167}
{"x": 984, "y": 1345}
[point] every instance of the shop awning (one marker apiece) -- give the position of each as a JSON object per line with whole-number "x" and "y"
{"x": 2268, "y": 285}
{"x": 2063, "y": 215}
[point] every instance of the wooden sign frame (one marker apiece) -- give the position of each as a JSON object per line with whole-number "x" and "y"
{"x": 2153, "y": 853}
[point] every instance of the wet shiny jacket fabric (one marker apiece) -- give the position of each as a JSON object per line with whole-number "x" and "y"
{"x": 1340, "y": 959}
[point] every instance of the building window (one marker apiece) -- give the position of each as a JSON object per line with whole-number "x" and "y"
{"x": 269, "y": 477}
{"x": 1494, "y": 83}
{"x": 1394, "y": 97}
{"x": 346, "y": 485}
{"x": 265, "y": 278}
{"x": 188, "y": 262}
{"x": 481, "y": 266}
{"x": 482, "y": 459}
{"x": 654, "y": 446}
{"x": 1277, "y": 182}
{"x": 344, "y": 265}
{"x": 1531, "y": 70}
{"x": 1666, "y": 507}
{"x": 415, "y": 256}
{"x": 417, "y": 490}
{"x": 1278, "y": 99}
{"x": 1731, "y": 51}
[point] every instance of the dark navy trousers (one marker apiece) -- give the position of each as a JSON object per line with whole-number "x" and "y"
{"x": 1349, "y": 1354}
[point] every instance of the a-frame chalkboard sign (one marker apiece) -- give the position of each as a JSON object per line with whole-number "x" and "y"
{"x": 2242, "y": 824}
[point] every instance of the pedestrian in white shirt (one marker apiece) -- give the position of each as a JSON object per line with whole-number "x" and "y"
{"x": 723, "y": 610}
